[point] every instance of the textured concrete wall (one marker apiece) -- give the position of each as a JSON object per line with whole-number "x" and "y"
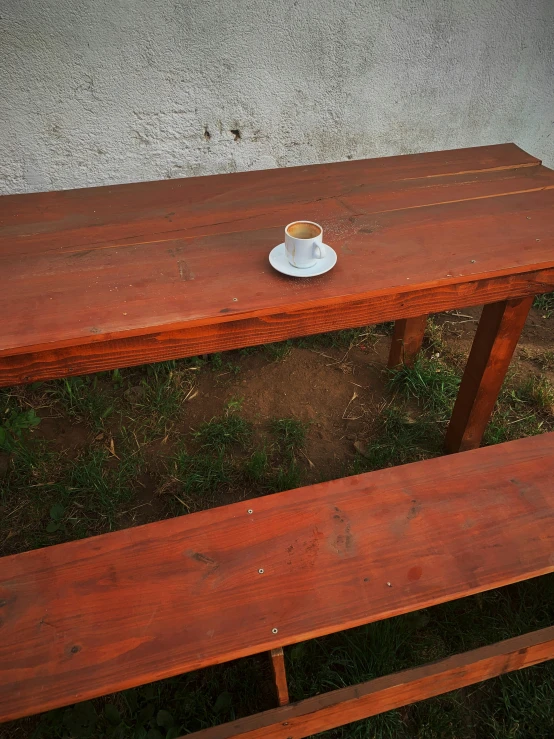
{"x": 105, "y": 91}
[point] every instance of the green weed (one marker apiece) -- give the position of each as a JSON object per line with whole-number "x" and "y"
{"x": 14, "y": 424}
{"x": 224, "y": 431}
{"x": 279, "y": 351}
{"x": 545, "y": 304}
{"x": 546, "y": 360}
{"x": 431, "y": 382}
{"x": 220, "y": 364}
{"x": 399, "y": 438}
{"x": 523, "y": 409}
{"x": 202, "y": 476}
{"x": 158, "y": 400}
{"x": 88, "y": 398}
{"x": 257, "y": 466}
{"x": 289, "y": 434}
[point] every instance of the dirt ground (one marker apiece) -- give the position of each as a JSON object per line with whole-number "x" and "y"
{"x": 336, "y": 391}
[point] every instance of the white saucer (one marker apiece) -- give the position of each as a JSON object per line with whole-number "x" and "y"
{"x": 278, "y": 260}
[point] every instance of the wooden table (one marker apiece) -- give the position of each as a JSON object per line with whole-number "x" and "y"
{"x": 109, "y": 277}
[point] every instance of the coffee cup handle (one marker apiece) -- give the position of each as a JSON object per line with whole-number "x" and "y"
{"x": 319, "y": 250}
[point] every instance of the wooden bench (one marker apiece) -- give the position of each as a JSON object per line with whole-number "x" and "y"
{"x": 109, "y": 277}
{"x": 86, "y": 618}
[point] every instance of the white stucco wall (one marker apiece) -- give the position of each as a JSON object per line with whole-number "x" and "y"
{"x": 106, "y": 91}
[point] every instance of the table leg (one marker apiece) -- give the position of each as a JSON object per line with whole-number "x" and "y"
{"x": 495, "y": 340}
{"x": 280, "y": 675}
{"x": 406, "y": 341}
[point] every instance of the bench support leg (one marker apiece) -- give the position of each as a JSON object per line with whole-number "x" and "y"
{"x": 493, "y": 346}
{"x": 406, "y": 341}
{"x": 280, "y": 675}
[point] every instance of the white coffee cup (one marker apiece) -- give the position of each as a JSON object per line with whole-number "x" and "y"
{"x": 304, "y": 243}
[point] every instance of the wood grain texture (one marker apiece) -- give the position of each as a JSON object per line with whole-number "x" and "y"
{"x": 54, "y": 298}
{"x": 495, "y": 340}
{"x": 103, "y": 614}
{"x": 279, "y": 675}
{"x": 327, "y": 711}
{"x": 406, "y": 342}
{"x": 107, "y": 264}
{"x": 172, "y": 204}
{"x": 236, "y": 334}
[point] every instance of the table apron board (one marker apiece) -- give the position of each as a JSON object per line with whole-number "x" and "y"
{"x": 63, "y": 360}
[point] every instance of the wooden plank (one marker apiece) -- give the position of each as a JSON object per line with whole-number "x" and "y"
{"x": 162, "y": 345}
{"x": 279, "y": 675}
{"x": 406, "y": 341}
{"x": 189, "y": 212}
{"x": 67, "y": 292}
{"x": 496, "y": 338}
{"x": 336, "y": 708}
{"x": 118, "y": 212}
{"x": 103, "y": 614}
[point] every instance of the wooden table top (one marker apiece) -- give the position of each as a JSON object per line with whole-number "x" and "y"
{"x": 92, "y": 265}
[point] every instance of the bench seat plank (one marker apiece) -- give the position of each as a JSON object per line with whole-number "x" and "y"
{"x": 90, "y": 617}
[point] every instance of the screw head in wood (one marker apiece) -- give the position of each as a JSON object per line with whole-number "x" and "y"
{"x": 250, "y": 511}
{"x": 261, "y": 571}
{"x": 274, "y": 631}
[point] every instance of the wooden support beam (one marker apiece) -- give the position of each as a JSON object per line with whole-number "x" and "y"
{"x": 68, "y": 360}
{"x": 280, "y": 675}
{"x": 327, "y": 711}
{"x": 406, "y": 341}
{"x": 497, "y": 334}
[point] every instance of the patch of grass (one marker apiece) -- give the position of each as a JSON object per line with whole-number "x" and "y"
{"x": 285, "y": 476}
{"x": 364, "y": 336}
{"x": 289, "y": 434}
{"x": 154, "y": 397}
{"x": 431, "y": 382}
{"x": 14, "y": 424}
{"x": 224, "y": 431}
{"x": 91, "y": 491}
{"x": 220, "y": 363}
{"x": 399, "y": 438}
{"x": 523, "y": 409}
{"x": 164, "y": 392}
{"x": 89, "y": 398}
{"x": 257, "y": 466}
{"x": 545, "y": 304}
{"x": 546, "y": 360}
{"x": 538, "y": 391}
{"x": 279, "y": 351}
{"x": 31, "y": 465}
{"x": 434, "y": 335}
{"x": 202, "y": 476}
{"x": 54, "y": 499}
